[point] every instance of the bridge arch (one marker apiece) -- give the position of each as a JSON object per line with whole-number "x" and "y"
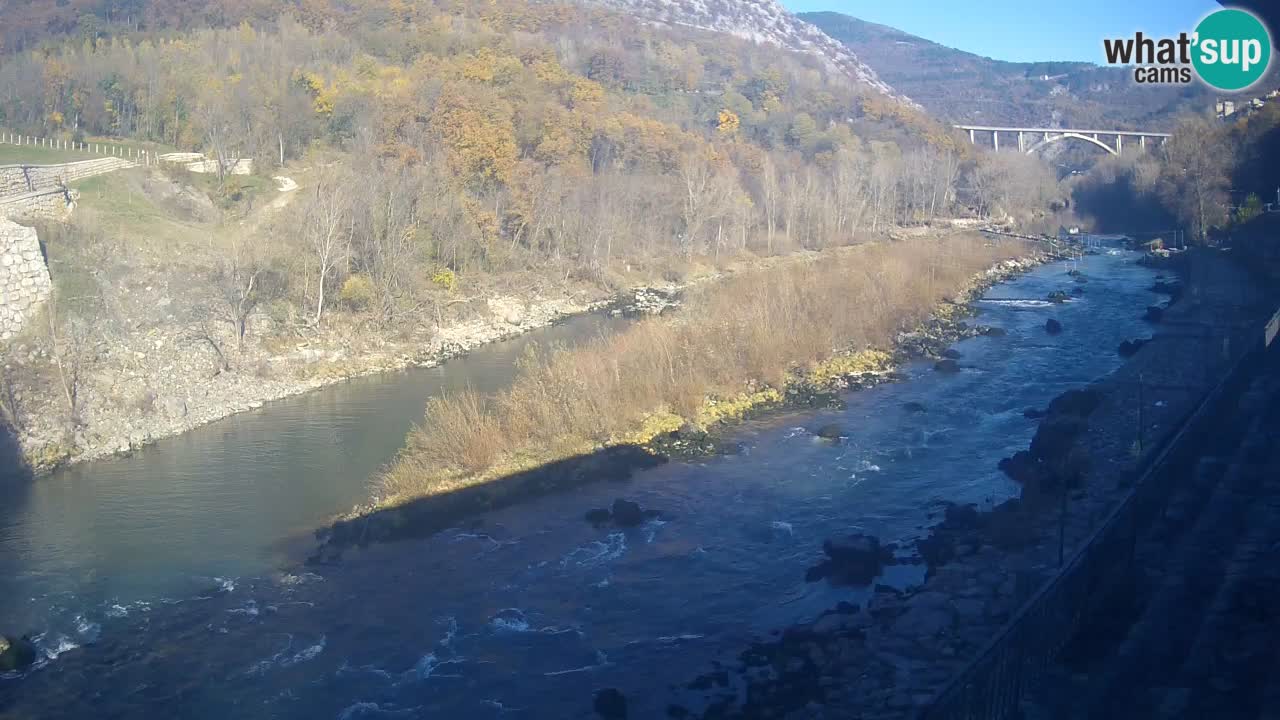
{"x": 1076, "y": 136}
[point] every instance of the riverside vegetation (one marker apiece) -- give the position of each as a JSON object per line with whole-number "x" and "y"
{"x": 459, "y": 166}
{"x": 736, "y": 346}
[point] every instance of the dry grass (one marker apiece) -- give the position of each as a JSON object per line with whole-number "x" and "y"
{"x": 740, "y": 336}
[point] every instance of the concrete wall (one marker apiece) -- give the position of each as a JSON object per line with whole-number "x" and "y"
{"x": 24, "y": 278}
{"x": 19, "y": 179}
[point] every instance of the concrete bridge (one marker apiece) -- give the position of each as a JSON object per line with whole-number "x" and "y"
{"x": 1032, "y": 139}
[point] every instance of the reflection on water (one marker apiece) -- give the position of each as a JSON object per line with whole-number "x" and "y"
{"x": 522, "y": 612}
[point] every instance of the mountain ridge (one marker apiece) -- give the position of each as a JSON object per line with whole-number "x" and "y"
{"x": 965, "y": 87}
{"x": 761, "y": 21}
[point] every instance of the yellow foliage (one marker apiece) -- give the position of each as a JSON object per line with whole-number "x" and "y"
{"x": 652, "y": 426}
{"x": 549, "y": 71}
{"x": 566, "y": 139}
{"x": 322, "y": 97}
{"x": 585, "y": 92}
{"x": 487, "y": 66}
{"x": 480, "y": 135}
{"x": 445, "y": 278}
{"x": 866, "y": 361}
{"x": 736, "y": 408}
{"x": 727, "y": 122}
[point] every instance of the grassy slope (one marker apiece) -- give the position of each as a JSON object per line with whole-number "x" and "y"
{"x": 34, "y": 155}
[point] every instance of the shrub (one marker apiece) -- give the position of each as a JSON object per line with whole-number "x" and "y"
{"x": 446, "y": 279}
{"x": 357, "y": 292}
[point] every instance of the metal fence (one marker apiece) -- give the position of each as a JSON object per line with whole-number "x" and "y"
{"x": 991, "y": 686}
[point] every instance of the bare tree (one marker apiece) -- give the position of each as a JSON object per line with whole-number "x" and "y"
{"x": 326, "y": 228}
{"x": 770, "y": 192}
{"x": 242, "y": 281}
{"x": 706, "y": 195}
{"x": 1196, "y": 179}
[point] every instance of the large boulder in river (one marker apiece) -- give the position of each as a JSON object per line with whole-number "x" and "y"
{"x": 1076, "y": 402}
{"x": 627, "y": 513}
{"x": 1021, "y": 467}
{"x": 1052, "y": 326}
{"x": 830, "y": 431}
{"x": 1055, "y": 436}
{"x": 598, "y": 516}
{"x": 16, "y": 653}
{"x": 610, "y": 704}
{"x": 947, "y": 365}
{"x": 853, "y": 559}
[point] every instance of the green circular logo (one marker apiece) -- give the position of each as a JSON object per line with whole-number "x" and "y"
{"x": 1232, "y": 49}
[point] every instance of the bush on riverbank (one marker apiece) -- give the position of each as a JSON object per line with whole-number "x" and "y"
{"x": 742, "y": 337}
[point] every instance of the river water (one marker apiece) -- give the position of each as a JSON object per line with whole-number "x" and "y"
{"x": 153, "y": 586}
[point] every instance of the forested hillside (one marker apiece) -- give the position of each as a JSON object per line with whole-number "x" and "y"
{"x": 515, "y": 133}
{"x": 446, "y": 152}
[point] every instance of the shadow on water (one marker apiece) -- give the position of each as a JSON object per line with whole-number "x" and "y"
{"x": 15, "y": 473}
{"x": 425, "y": 516}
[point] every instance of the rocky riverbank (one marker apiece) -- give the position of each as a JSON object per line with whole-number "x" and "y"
{"x": 164, "y": 382}
{"x": 888, "y": 657}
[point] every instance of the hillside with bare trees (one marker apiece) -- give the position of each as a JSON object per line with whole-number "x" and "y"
{"x": 449, "y": 159}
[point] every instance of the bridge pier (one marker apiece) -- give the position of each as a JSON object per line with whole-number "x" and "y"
{"x": 1021, "y": 145}
{"x": 1119, "y": 144}
{"x": 995, "y": 139}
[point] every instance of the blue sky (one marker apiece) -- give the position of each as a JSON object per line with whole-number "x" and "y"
{"x": 1020, "y": 30}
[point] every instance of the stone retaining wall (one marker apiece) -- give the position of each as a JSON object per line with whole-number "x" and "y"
{"x": 24, "y": 277}
{"x": 52, "y": 204}
{"x": 20, "y": 179}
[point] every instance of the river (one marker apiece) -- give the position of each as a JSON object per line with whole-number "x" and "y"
{"x": 162, "y": 584}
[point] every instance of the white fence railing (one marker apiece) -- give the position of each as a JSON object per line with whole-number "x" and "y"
{"x": 141, "y": 156}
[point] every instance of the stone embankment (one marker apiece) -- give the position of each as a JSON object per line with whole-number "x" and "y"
{"x": 889, "y": 658}
{"x": 24, "y": 278}
{"x": 21, "y": 179}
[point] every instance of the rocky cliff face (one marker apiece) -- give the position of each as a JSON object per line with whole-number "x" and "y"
{"x": 761, "y": 21}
